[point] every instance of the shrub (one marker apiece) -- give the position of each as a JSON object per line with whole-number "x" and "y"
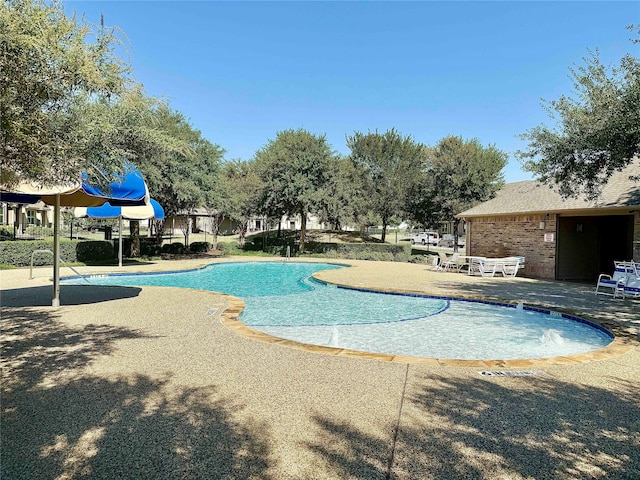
{"x": 176, "y": 248}
{"x": 95, "y": 250}
{"x": 199, "y": 247}
{"x": 365, "y": 251}
{"x": 6, "y": 233}
{"x": 18, "y": 253}
{"x": 226, "y": 246}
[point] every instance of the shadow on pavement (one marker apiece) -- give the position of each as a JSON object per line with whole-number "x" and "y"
{"x": 69, "y": 295}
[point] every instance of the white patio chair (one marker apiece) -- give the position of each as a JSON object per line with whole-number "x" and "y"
{"x": 622, "y": 280}
{"x": 484, "y": 267}
{"x": 443, "y": 260}
{"x": 452, "y": 263}
{"x": 510, "y": 266}
{"x": 433, "y": 261}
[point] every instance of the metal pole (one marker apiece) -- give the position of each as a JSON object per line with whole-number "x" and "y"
{"x": 55, "y": 302}
{"x": 120, "y": 243}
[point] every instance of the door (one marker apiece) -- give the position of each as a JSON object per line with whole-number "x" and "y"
{"x": 587, "y": 246}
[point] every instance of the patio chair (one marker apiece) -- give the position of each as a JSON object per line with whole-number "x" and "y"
{"x": 443, "y": 260}
{"x": 627, "y": 287}
{"x": 510, "y": 266}
{"x": 451, "y": 263}
{"x": 484, "y": 267}
{"x": 433, "y": 261}
{"x": 623, "y": 279}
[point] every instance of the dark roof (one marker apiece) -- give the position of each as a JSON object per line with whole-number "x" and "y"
{"x": 533, "y": 197}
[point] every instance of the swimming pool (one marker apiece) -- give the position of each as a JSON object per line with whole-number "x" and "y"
{"x": 283, "y": 300}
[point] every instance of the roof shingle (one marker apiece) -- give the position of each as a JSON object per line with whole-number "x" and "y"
{"x": 532, "y": 196}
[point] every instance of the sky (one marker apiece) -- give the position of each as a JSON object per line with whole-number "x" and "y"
{"x": 241, "y": 72}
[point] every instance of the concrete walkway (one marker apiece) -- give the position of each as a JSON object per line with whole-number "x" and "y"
{"x": 125, "y": 382}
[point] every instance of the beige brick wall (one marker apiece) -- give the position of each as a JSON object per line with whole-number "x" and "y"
{"x": 516, "y": 236}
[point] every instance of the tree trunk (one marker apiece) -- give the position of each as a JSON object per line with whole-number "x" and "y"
{"x": 134, "y": 233}
{"x": 242, "y": 232}
{"x": 384, "y": 231}
{"x": 456, "y": 224}
{"x": 303, "y": 230}
{"x": 187, "y": 231}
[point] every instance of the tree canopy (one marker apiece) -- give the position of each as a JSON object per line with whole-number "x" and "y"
{"x": 598, "y": 129}
{"x": 49, "y": 71}
{"x": 295, "y": 169}
{"x": 389, "y": 162}
{"x": 245, "y": 188}
{"x": 457, "y": 174}
{"x": 67, "y": 103}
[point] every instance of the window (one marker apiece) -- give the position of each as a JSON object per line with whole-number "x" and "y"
{"x": 2, "y": 215}
{"x": 31, "y": 217}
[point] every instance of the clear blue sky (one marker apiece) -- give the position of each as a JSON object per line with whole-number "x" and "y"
{"x": 242, "y": 71}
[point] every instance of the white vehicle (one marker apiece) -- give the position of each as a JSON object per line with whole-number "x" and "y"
{"x": 426, "y": 238}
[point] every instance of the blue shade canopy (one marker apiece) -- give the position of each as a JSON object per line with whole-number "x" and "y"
{"x": 151, "y": 210}
{"x": 129, "y": 190}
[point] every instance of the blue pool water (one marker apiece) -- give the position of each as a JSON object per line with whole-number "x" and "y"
{"x": 283, "y": 300}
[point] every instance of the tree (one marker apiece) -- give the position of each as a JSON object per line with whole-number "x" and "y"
{"x": 48, "y": 74}
{"x": 457, "y": 175}
{"x": 295, "y": 170}
{"x": 344, "y": 200}
{"x": 245, "y": 188}
{"x": 390, "y": 163}
{"x": 598, "y": 131}
{"x": 186, "y": 176}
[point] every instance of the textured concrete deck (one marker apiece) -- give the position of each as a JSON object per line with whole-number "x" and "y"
{"x": 124, "y": 382}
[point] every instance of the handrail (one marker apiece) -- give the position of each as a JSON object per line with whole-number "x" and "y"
{"x": 84, "y": 277}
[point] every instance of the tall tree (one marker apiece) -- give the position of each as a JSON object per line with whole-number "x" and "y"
{"x": 48, "y": 72}
{"x": 457, "y": 174}
{"x": 343, "y": 201}
{"x": 598, "y": 129}
{"x": 245, "y": 188}
{"x": 185, "y": 177}
{"x": 390, "y": 162}
{"x": 295, "y": 170}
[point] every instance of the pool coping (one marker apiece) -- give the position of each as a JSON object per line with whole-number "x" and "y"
{"x": 230, "y": 318}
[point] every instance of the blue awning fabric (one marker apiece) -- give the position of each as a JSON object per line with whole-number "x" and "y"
{"x": 129, "y": 190}
{"x": 151, "y": 210}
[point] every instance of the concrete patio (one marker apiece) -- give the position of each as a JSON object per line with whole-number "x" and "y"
{"x": 128, "y": 382}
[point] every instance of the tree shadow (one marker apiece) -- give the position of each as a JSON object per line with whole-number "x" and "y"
{"x": 479, "y": 428}
{"x": 351, "y": 453}
{"x": 69, "y": 295}
{"x": 61, "y": 421}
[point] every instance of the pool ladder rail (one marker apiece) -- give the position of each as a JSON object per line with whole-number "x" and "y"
{"x": 84, "y": 277}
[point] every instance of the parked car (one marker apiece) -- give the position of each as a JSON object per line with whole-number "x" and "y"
{"x": 448, "y": 239}
{"x": 426, "y": 238}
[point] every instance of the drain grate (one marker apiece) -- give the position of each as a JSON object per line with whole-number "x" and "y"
{"x": 514, "y": 373}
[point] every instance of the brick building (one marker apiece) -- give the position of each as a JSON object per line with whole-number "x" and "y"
{"x": 562, "y": 239}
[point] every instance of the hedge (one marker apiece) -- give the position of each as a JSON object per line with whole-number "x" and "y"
{"x": 18, "y": 252}
{"x": 357, "y": 251}
{"x": 199, "y": 247}
{"x": 94, "y": 250}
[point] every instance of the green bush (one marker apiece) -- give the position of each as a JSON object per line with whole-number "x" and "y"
{"x": 176, "y": 248}
{"x": 18, "y": 253}
{"x": 363, "y": 251}
{"x": 95, "y": 250}
{"x": 226, "y": 246}
{"x": 6, "y": 233}
{"x": 199, "y": 247}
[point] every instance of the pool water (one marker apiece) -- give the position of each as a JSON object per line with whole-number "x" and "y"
{"x": 284, "y": 301}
